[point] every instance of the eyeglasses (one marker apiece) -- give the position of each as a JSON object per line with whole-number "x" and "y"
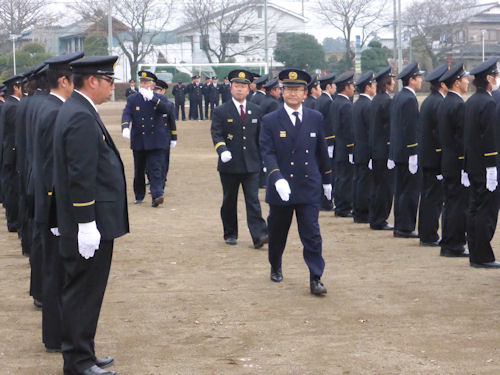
{"x": 110, "y": 80}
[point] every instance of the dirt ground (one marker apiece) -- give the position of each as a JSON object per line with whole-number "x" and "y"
{"x": 180, "y": 301}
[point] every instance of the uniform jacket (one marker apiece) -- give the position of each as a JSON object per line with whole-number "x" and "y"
{"x": 148, "y": 131}
{"x": 451, "y": 135}
{"x": 258, "y": 98}
{"x": 8, "y": 128}
{"x": 269, "y": 104}
{"x": 429, "y": 145}
{"x": 309, "y": 102}
{"x": 323, "y": 104}
{"x": 20, "y": 137}
{"x": 479, "y": 133}
{"x": 380, "y": 126}
{"x": 179, "y": 93}
{"x": 129, "y": 92}
{"x": 297, "y": 154}
{"x": 226, "y": 92}
{"x": 361, "y": 128}
{"x": 44, "y": 158}
{"x": 340, "y": 115}
{"x": 230, "y": 133}
{"x": 169, "y": 121}
{"x": 404, "y": 122}
{"x": 194, "y": 91}
{"x": 213, "y": 93}
{"x": 89, "y": 180}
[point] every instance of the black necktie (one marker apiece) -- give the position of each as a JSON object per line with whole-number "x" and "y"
{"x": 297, "y": 119}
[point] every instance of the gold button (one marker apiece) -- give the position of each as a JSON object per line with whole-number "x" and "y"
{"x": 152, "y": 132}
{"x": 306, "y": 163}
{"x": 143, "y": 118}
{"x": 143, "y": 133}
{"x": 307, "y": 151}
{"x": 152, "y": 126}
{"x": 151, "y": 118}
{"x": 244, "y": 137}
{"x": 291, "y": 175}
{"x": 306, "y": 176}
{"x": 244, "y": 147}
{"x": 244, "y": 128}
{"x": 142, "y": 125}
{"x": 291, "y": 163}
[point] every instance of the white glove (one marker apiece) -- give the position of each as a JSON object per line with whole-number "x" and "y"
{"x": 88, "y": 239}
{"x": 283, "y": 189}
{"x": 413, "y": 164}
{"x": 465, "y": 179}
{"x": 439, "y": 177}
{"x": 370, "y": 165}
{"x": 55, "y": 231}
{"x": 351, "y": 158}
{"x": 327, "y": 190}
{"x": 173, "y": 144}
{"x": 225, "y": 156}
{"x": 126, "y": 133}
{"x": 390, "y": 164}
{"x": 147, "y": 94}
{"x": 491, "y": 178}
{"x": 330, "y": 151}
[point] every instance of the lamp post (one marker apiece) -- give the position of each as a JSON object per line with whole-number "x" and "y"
{"x": 482, "y": 39}
{"x": 110, "y": 38}
{"x": 14, "y": 37}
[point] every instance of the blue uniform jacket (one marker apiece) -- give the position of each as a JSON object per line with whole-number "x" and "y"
{"x": 298, "y": 155}
{"x": 148, "y": 130}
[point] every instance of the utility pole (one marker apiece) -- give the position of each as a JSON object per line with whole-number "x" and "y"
{"x": 110, "y": 38}
{"x": 400, "y": 47}
{"x": 395, "y": 39}
{"x": 13, "y": 37}
{"x": 266, "y": 52}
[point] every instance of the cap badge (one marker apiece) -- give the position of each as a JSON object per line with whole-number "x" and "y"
{"x": 144, "y": 75}
{"x": 292, "y": 75}
{"x": 241, "y": 75}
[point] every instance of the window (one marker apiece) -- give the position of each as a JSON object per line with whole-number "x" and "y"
{"x": 248, "y": 39}
{"x": 229, "y": 38}
{"x": 204, "y": 42}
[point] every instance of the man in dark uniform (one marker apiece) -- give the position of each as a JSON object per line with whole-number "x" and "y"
{"x": 271, "y": 100}
{"x": 340, "y": 115}
{"x": 260, "y": 92}
{"x": 253, "y": 88}
{"x": 10, "y": 186}
{"x": 2, "y": 101}
{"x": 148, "y": 137}
{"x": 195, "y": 95}
{"x": 296, "y": 157}
{"x": 60, "y": 82}
{"x": 429, "y": 147}
{"x": 382, "y": 177}
{"x": 213, "y": 94}
{"x": 130, "y": 89}
{"x": 313, "y": 93}
{"x": 403, "y": 152}
{"x": 481, "y": 165}
{"x": 226, "y": 91}
{"x": 91, "y": 200}
{"x": 322, "y": 105}
{"x": 179, "y": 93}
{"x": 235, "y": 131}
{"x": 170, "y": 126}
{"x": 451, "y": 137}
{"x": 205, "y": 91}
{"x": 361, "y": 118}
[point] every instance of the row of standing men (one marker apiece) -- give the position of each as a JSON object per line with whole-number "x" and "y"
{"x": 63, "y": 188}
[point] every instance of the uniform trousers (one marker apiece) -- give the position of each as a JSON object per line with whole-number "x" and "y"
{"x": 327, "y": 204}
{"x": 454, "y": 220}
{"x": 343, "y": 187}
{"x": 230, "y": 186}
{"x": 11, "y": 201}
{"x": 154, "y": 161}
{"x": 362, "y": 184}
{"x": 482, "y": 220}
{"x": 206, "y": 100}
{"x": 83, "y": 290}
{"x": 36, "y": 262}
{"x": 179, "y": 107}
{"x": 431, "y": 205}
{"x": 25, "y": 224}
{"x": 195, "y": 109}
{"x": 382, "y": 192}
{"x": 52, "y": 283}
{"x": 406, "y": 191}
{"x": 279, "y": 221}
{"x": 166, "y": 164}
{"x": 213, "y": 105}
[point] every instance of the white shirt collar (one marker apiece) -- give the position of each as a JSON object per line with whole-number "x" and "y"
{"x": 368, "y": 96}
{"x": 290, "y": 112}
{"x": 86, "y": 97}
{"x": 237, "y": 105}
{"x": 409, "y": 88}
{"x": 456, "y": 93}
{"x": 327, "y": 94}
{"x": 262, "y": 92}
{"x": 443, "y": 95}
{"x": 58, "y": 96}
{"x": 345, "y": 96}
{"x": 489, "y": 93}
{"x": 15, "y": 97}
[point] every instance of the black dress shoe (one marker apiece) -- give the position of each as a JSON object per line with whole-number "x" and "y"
{"x": 104, "y": 362}
{"x": 276, "y": 275}
{"x": 317, "y": 287}
{"x": 261, "y": 242}
{"x": 435, "y": 243}
{"x": 343, "y": 214}
{"x": 138, "y": 201}
{"x": 403, "y": 234}
{"x": 96, "y": 370}
{"x": 454, "y": 253}
{"x": 38, "y": 304}
{"x": 493, "y": 264}
{"x": 231, "y": 241}
{"x": 361, "y": 220}
{"x": 157, "y": 202}
{"x": 383, "y": 227}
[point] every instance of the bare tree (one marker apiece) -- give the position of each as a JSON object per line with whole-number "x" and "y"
{"x": 438, "y": 20}
{"x": 18, "y": 15}
{"x": 220, "y": 23}
{"x": 138, "y": 23}
{"x": 347, "y": 15}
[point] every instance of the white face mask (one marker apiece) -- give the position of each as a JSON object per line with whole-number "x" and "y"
{"x": 497, "y": 84}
